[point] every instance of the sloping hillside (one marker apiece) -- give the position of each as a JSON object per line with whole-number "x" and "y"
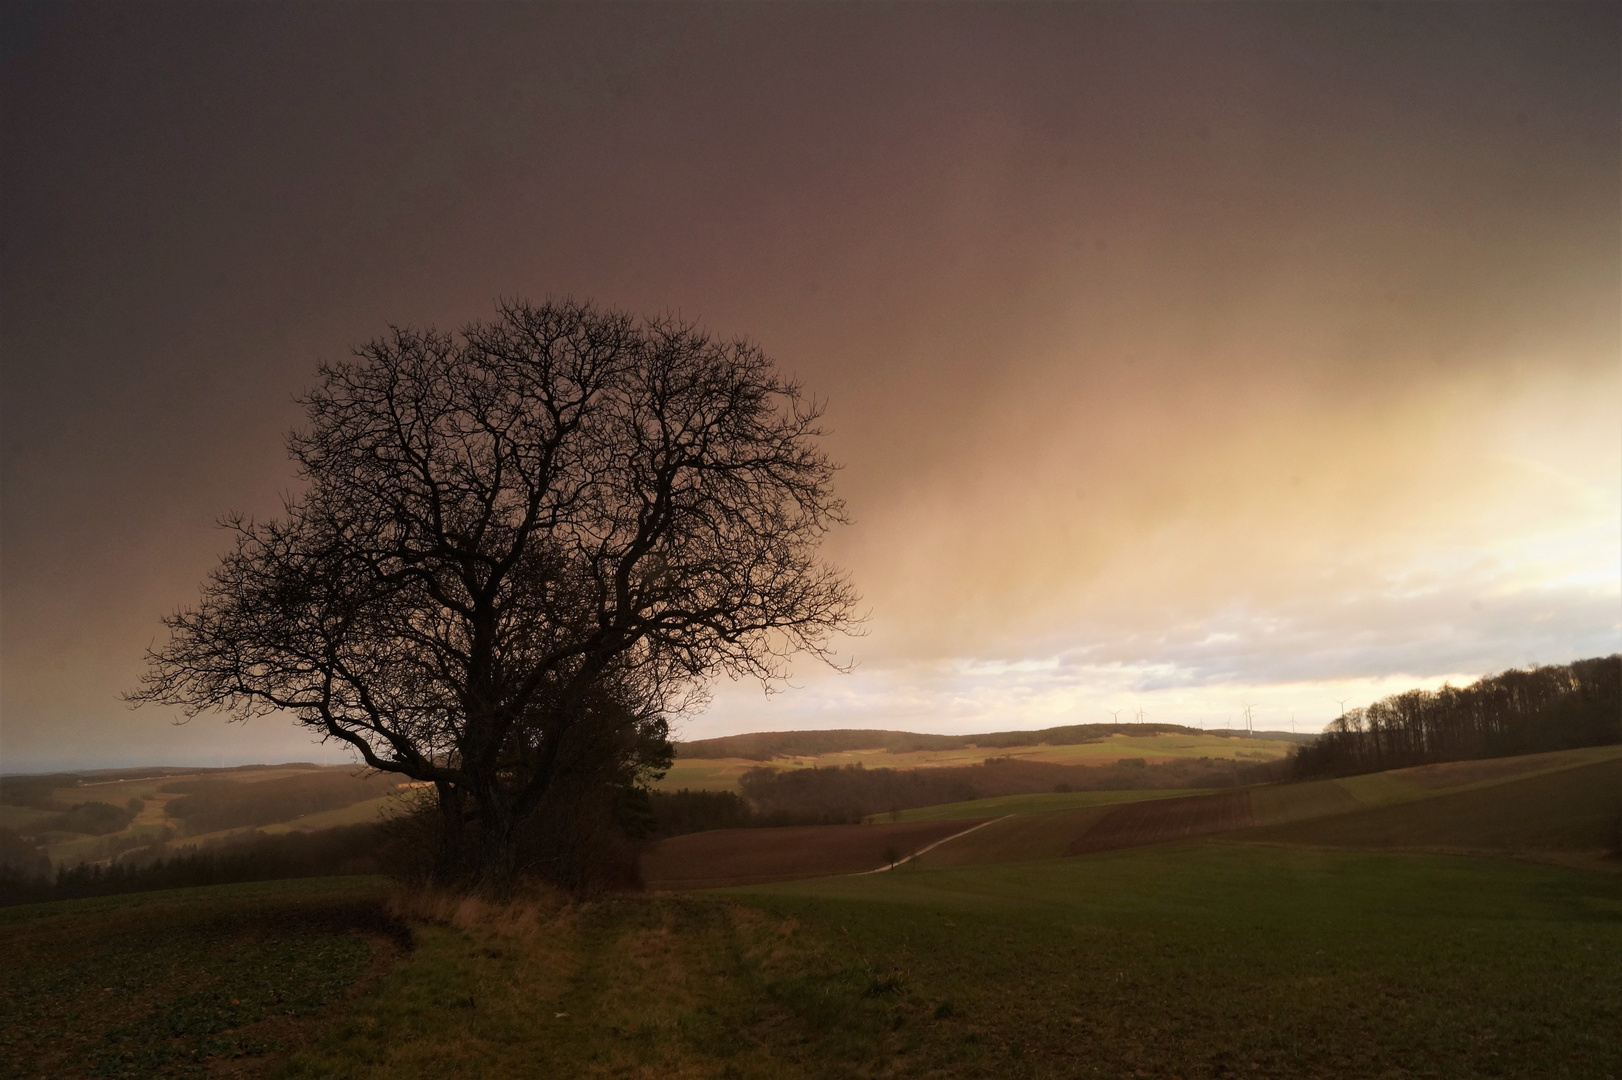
{"x": 1567, "y": 811}
{"x": 1092, "y": 746}
{"x": 766, "y": 745}
{"x": 1558, "y": 805}
{"x": 1565, "y": 806}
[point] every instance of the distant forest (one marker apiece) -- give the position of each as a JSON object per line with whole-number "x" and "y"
{"x": 1556, "y": 707}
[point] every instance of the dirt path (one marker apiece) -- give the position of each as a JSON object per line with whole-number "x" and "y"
{"x": 723, "y": 857}
{"x": 931, "y": 847}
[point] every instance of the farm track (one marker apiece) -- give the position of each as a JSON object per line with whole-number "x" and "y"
{"x": 930, "y": 847}
{"x": 725, "y": 857}
{"x": 1136, "y": 824}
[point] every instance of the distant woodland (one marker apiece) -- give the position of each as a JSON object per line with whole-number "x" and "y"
{"x": 1555, "y": 707}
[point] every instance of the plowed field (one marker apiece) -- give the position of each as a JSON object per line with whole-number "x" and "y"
{"x": 723, "y": 857}
{"x": 1154, "y": 822}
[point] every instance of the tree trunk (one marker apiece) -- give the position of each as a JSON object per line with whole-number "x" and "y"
{"x": 478, "y": 843}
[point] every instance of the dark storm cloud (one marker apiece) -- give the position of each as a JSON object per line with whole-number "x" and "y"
{"x": 1141, "y": 326}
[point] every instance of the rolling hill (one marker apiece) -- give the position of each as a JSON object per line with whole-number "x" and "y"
{"x": 1564, "y": 806}
{"x": 717, "y": 764}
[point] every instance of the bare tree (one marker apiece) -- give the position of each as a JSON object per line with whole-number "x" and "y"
{"x": 519, "y": 550}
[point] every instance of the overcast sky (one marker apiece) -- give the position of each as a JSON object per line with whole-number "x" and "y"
{"x": 1178, "y": 355}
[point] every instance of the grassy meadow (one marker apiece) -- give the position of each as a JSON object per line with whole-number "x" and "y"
{"x": 186, "y": 982}
{"x": 1203, "y": 960}
{"x": 1454, "y": 921}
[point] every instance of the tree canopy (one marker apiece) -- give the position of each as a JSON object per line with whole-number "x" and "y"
{"x": 518, "y": 550}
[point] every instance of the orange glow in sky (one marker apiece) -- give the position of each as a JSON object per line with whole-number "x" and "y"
{"x": 1177, "y": 355}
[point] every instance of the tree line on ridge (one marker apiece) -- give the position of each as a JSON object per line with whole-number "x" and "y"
{"x": 1552, "y": 707}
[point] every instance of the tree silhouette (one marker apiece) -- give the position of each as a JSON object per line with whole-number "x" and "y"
{"x": 520, "y": 549}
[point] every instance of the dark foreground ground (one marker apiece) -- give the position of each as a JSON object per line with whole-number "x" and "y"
{"x": 1457, "y": 925}
{"x": 188, "y": 982}
{"x": 1194, "y": 960}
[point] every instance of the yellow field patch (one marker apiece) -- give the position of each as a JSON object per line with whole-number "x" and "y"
{"x": 721, "y": 774}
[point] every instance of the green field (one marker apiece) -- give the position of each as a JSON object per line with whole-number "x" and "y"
{"x": 1574, "y": 811}
{"x": 1193, "y": 960}
{"x": 1345, "y": 930}
{"x": 170, "y": 983}
{"x": 361, "y": 813}
{"x": 95, "y": 847}
{"x": 1039, "y": 803}
{"x": 22, "y": 817}
{"x": 1561, "y": 807}
{"x": 1187, "y": 960}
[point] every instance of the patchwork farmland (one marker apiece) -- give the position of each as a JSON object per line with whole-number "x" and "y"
{"x": 717, "y": 764}
{"x": 1552, "y": 806}
{"x": 1358, "y": 927}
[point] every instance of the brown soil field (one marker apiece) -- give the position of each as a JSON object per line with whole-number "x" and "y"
{"x": 723, "y": 857}
{"x": 1135, "y": 824}
{"x": 1274, "y": 804}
